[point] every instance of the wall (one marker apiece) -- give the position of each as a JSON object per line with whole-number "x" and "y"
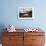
{"x": 9, "y": 13}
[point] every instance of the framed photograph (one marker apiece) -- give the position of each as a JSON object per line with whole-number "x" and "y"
{"x": 25, "y": 13}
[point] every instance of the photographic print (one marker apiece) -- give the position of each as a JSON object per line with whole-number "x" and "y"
{"x": 25, "y": 13}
